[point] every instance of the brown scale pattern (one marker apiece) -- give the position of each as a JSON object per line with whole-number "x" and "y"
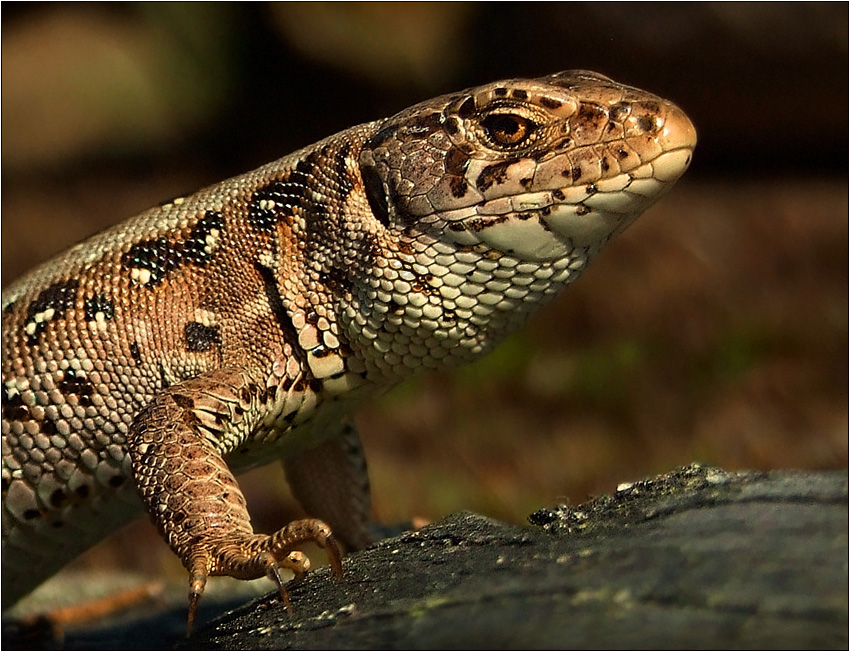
{"x": 147, "y": 365}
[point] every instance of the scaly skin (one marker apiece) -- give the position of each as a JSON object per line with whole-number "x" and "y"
{"x": 242, "y": 324}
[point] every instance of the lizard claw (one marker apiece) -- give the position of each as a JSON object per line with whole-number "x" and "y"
{"x": 260, "y": 554}
{"x": 197, "y": 584}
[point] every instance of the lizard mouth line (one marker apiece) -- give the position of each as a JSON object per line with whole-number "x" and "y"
{"x": 548, "y": 224}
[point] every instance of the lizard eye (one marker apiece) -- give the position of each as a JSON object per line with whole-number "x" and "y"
{"x": 506, "y": 129}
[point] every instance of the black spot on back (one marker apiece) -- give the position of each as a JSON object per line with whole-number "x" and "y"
{"x": 259, "y": 214}
{"x": 315, "y": 210}
{"x": 200, "y": 337}
{"x": 343, "y": 177}
{"x": 14, "y": 408}
{"x": 277, "y": 200}
{"x": 158, "y": 256}
{"x": 75, "y": 383}
{"x": 60, "y": 296}
{"x": 550, "y": 103}
{"x": 98, "y": 303}
{"x": 281, "y": 198}
{"x": 198, "y": 250}
{"x": 305, "y": 165}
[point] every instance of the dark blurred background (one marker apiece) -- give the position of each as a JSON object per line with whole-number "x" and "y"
{"x": 714, "y": 330}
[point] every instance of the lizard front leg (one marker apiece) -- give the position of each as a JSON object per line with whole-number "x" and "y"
{"x": 176, "y": 445}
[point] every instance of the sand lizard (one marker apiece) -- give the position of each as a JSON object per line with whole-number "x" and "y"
{"x": 242, "y": 324}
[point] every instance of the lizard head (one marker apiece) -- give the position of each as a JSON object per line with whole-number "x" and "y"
{"x": 534, "y": 169}
{"x": 494, "y": 198}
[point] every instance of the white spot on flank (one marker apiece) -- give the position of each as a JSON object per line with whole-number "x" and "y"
{"x": 100, "y": 321}
{"x": 46, "y": 315}
{"x": 140, "y": 275}
{"x": 205, "y": 317}
{"x": 211, "y": 241}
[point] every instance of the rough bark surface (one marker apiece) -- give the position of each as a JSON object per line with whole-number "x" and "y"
{"x": 698, "y": 558}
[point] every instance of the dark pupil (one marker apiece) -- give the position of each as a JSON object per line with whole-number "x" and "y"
{"x": 505, "y": 129}
{"x": 508, "y": 126}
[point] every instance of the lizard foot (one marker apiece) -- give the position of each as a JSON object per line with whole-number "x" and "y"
{"x": 258, "y": 555}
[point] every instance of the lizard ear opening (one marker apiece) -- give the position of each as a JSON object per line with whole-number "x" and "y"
{"x": 375, "y": 194}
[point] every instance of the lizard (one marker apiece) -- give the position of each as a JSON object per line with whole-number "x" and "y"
{"x": 146, "y": 366}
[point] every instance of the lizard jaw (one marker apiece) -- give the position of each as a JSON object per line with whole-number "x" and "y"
{"x": 551, "y": 223}
{"x": 548, "y": 225}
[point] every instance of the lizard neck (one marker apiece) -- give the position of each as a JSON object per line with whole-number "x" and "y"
{"x": 432, "y": 303}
